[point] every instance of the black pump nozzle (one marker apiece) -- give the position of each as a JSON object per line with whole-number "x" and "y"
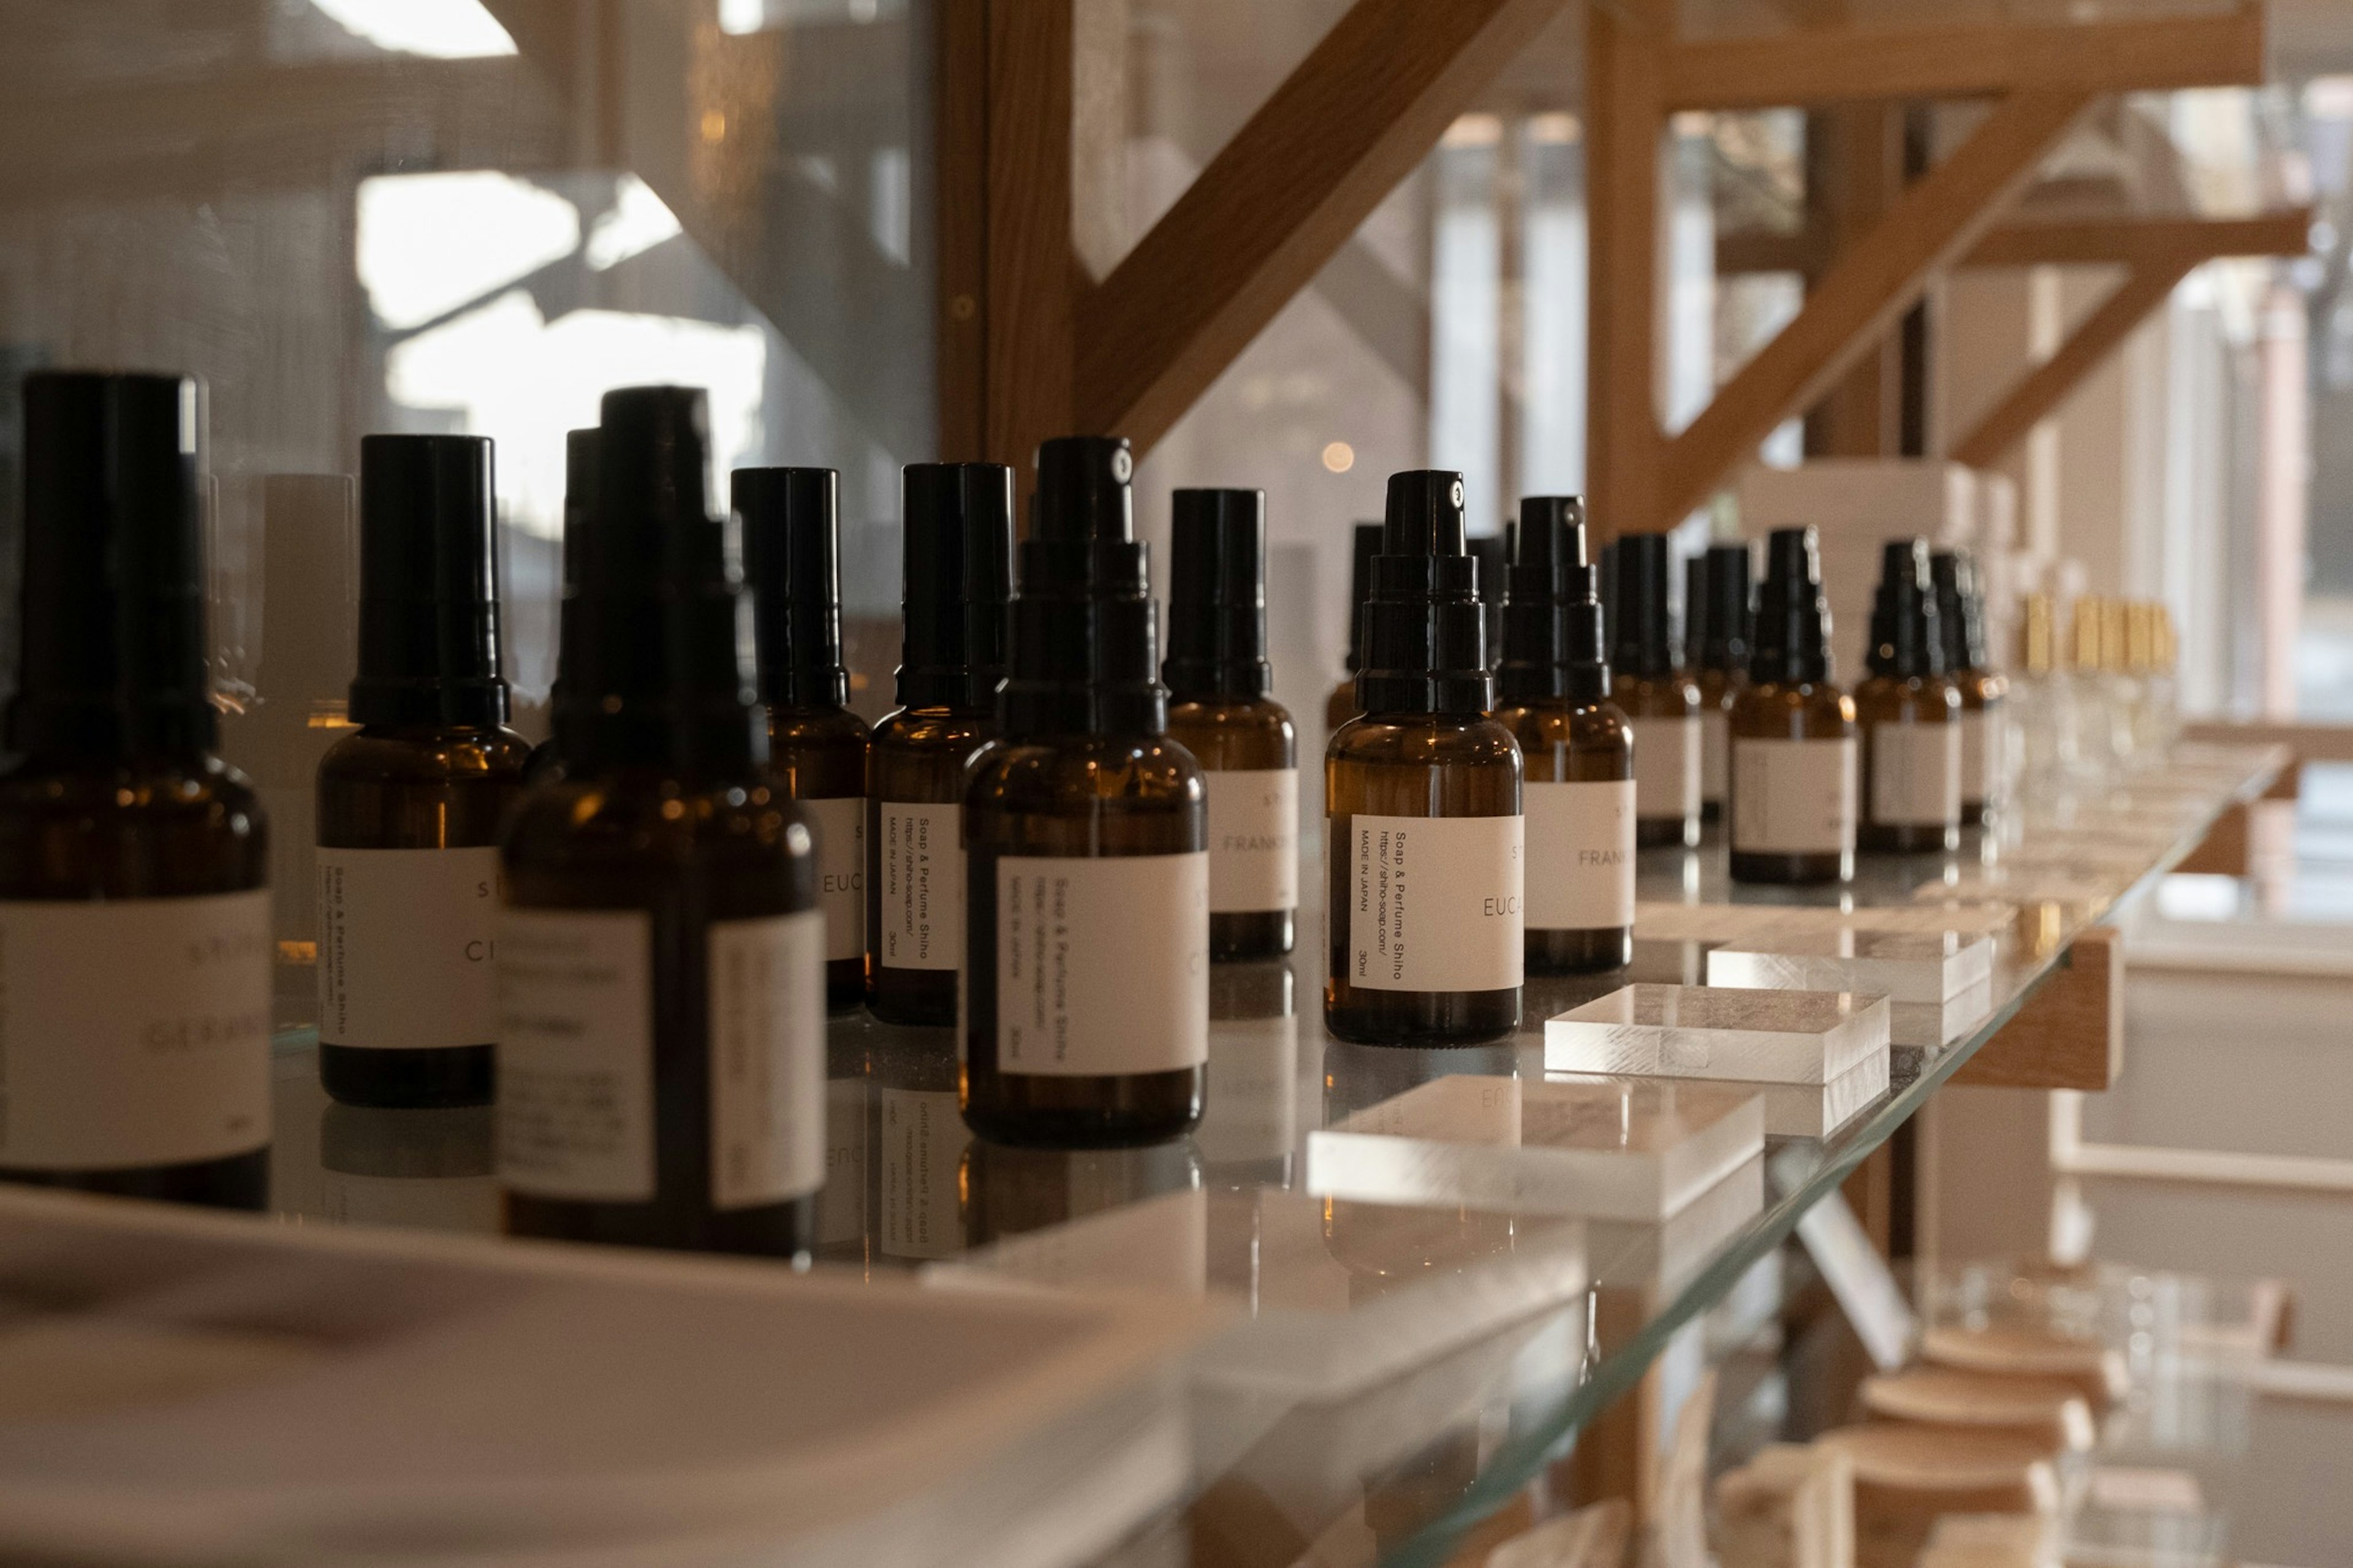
{"x": 958, "y": 575}
{"x": 1906, "y": 638}
{"x": 1960, "y": 608}
{"x": 1365, "y": 546}
{"x": 1425, "y": 631}
{"x": 1552, "y": 622}
{"x": 1726, "y": 620}
{"x": 1792, "y": 633}
{"x": 1217, "y": 595}
{"x": 1083, "y": 639}
{"x": 792, "y": 556}
{"x": 113, "y": 607}
{"x": 1641, "y": 640}
{"x": 428, "y": 642}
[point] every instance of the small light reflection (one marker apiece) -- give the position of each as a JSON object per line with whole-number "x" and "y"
{"x": 1339, "y": 456}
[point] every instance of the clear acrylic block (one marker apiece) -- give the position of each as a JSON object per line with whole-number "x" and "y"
{"x": 1716, "y": 1032}
{"x": 1902, "y": 966}
{"x": 1817, "y": 1110}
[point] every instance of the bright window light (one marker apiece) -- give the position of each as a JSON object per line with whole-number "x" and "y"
{"x": 431, "y": 244}
{"x": 637, "y": 222}
{"x": 523, "y": 381}
{"x": 742, "y": 16}
{"x": 442, "y": 29}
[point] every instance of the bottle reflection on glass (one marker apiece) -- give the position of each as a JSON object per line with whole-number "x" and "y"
{"x": 1015, "y": 1189}
{"x": 1662, "y": 706}
{"x": 409, "y": 805}
{"x": 1985, "y": 756}
{"x": 1909, "y": 714}
{"x": 419, "y": 1169}
{"x": 1794, "y": 764}
{"x": 915, "y": 1200}
{"x": 135, "y": 928}
{"x": 1218, "y": 678}
{"x": 1247, "y": 1134}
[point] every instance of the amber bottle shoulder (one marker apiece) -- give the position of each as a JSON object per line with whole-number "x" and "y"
{"x": 1425, "y": 739}
{"x": 1139, "y": 773}
{"x": 435, "y": 755}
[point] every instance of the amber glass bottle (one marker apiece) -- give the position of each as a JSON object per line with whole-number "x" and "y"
{"x": 1553, "y": 694}
{"x": 1985, "y": 719}
{"x": 959, "y": 570}
{"x": 579, "y": 490}
{"x": 1219, "y": 710}
{"x": 1662, "y": 706}
{"x": 816, "y": 746}
{"x": 1910, "y": 715}
{"x": 1716, "y": 622}
{"x": 134, "y": 916}
{"x": 411, "y": 804}
{"x": 1341, "y": 706}
{"x": 1086, "y": 1007}
{"x": 1424, "y": 840}
{"x": 662, "y": 1029}
{"x": 1794, "y": 766}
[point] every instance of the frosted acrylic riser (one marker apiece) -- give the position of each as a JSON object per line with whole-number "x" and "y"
{"x": 1804, "y": 1110}
{"x": 1710, "y": 1032}
{"x": 1934, "y": 1024}
{"x": 1902, "y": 966}
{"x": 1763, "y": 925}
{"x": 1623, "y": 1149}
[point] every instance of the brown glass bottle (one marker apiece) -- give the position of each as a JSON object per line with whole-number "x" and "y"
{"x": 409, "y": 807}
{"x": 134, "y": 861}
{"x": 1909, "y": 715}
{"x": 1792, "y": 801}
{"x": 1086, "y": 846}
{"x": 1960, "y": 614}
{"x": 660, "y": 955}
{"x": 959, "y": 570}
{"x": 1423, "y": 793}
{"x": 1553, "y": 695}
{"x": 816, "y": 746}
{"x": 1219, "y": 710}
{"x": 1341, "y": 706}
{"x": 1661, "y": 708}
{"x": 1717, "y": 621}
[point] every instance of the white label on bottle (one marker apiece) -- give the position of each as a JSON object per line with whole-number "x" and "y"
{"x": 1666, "y": 766}
{"x": 840, "y": 827}
{"x": 767, "y": 1059}
{"x": 1984, "y": 757}
{"x": 1915, "y": 773}
{"x": 924, "y": 1138}
{"x": 133, "y": 1031}
{"x": 1716, "y": 755}
{"x": 841, "y": 1206}
{"x": 406, "y": 947}
{"x": 1580, "y": 856}
{"x": 576, "y": 1054}
{"x": 1793, "y": 797}
{"x": 1102, "y": 965}
{"x": 923, "y": 886}
{"x": 1253, "y": 840}
{"x": 1434, "y": 902}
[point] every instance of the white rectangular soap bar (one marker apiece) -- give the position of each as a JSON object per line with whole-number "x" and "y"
{"x": 1904, "y": 967}
{"x": 1701, "y": 1031}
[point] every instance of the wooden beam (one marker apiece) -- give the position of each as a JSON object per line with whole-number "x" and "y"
{"x": 2046, "y": 386}
{"x": 1805, "y": 251}
{"x": 1854, "y": 155}
{"x": 1825, "y": 66}
{"x": 1028, "y": 390}
{"x": 1860, "y": 295}
{"x": 2071, "y": 1033}
{"x": 1280, "y": 199}
{"x": 960, "y": 208}
{"x": 2123, "y": 240}
{"x": 1623, "y": 120}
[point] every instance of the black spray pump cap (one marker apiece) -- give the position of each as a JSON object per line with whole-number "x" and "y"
{"x": 957, "y": 575}
{"x": 1695, "y": 608}
{"x": 1425, "y": 630}
{"x": 1552, "y": 622}
{"x": 1365, "y": 544}
{"x": 792, "y": 558}
{"x": 1083, "y": 651}
{"x": 428, "y": 647}
{"x": 1641, "y": 640}
{"x": 1908, "y": 635}
{"x": 663, "y": 676}
{"x": 1217, "y": 595}
{"x": 579, "y": 497}
{"x": 1792, "y": 633}
{"x": 1726, "y": 620}
{"x": 113, "y": 610}
{"x": 1960, "y": 608}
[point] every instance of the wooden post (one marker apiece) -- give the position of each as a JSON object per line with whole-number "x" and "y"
{"x": 1029, "y": 384}
{"x": 1623, "y": 53}
{"x": 1854, "y": 172}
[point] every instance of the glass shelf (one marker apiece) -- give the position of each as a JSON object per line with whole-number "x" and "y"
{"x": 1400, "y": 1368}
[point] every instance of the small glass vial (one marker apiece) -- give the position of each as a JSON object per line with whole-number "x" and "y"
{"x": 1425, "y": 836}
{"x": 410, "y": 805}
{"x": 1553, "y": 694}
{"x": 1910, "y": 716}
{"x": 135, "y": 933}
{"x": 2045, "y": 725}
{"x": 1985, "y": 755}
{"x": 661, "y": 1051}
{"x": 1716, "y": 620}
{"x": 816, "y": 746}
{"x": 579, "y": 490}
{"x": 959, "y": 573}
{"x": 1086, "y": 1003}
{"x": 1341, "y": 706}
{"x": 1794, "y": 762}
{"x": 1218, "y": 678}
{"x": 1662, "y": 706}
